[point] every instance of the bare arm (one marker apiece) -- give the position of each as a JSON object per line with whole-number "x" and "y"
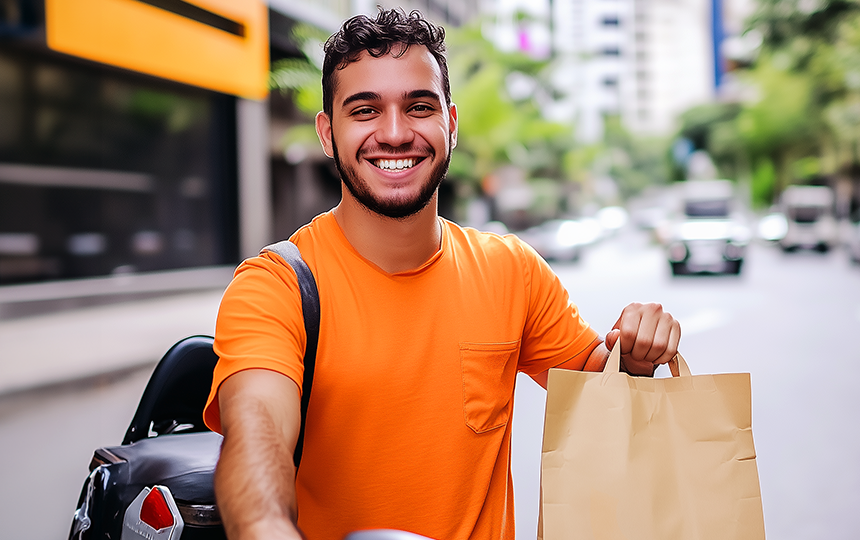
{"x": 255, "y": 477}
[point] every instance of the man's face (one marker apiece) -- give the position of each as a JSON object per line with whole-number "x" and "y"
{"x": 390, "y": 133}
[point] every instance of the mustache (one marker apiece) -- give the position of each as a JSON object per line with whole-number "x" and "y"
{"x": 395, "y": 150}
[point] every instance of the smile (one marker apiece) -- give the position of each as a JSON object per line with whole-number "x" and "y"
{"x": 395, "y": 164}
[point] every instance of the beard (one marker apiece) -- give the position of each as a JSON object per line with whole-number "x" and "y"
{"x": 397, "y": 207}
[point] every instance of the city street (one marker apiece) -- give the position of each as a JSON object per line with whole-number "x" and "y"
{"x": 789, "y": 319}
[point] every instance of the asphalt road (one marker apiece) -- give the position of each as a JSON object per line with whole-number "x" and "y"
{"x": 789, "y": 320}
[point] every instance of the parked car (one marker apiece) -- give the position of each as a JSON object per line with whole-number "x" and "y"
{"x": 561, "y": 239}
{"x": 710, "y": 235}
{"x": 809, "y": 214}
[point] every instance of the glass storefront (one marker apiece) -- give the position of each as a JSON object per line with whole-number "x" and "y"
{"x": 105, "y": 172}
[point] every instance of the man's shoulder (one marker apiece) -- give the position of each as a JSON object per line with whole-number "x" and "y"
{"x": 319, "y": 228}
{"x": 268, "y": 270}
{"x": 487, "y": 243}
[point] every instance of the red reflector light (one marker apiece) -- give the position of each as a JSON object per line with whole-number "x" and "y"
{"x": 155, "y": 511}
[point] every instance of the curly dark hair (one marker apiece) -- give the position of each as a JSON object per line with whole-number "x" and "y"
{"x": 392, "y": 32}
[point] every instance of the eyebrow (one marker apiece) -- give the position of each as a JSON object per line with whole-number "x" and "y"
{"x": 375, "y": 96}
{"x": 429, "y": 94}
{"x": 361, "y": 96}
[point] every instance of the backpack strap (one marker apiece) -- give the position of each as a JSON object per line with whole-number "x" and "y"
{"x": 311, "y": 314}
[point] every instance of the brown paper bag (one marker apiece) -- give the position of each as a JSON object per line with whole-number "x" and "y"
{"x": 637, "y": 458}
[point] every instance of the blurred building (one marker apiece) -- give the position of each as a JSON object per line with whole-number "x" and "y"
{"x": 138, "y": 138}
{"x": 645, "y": 61}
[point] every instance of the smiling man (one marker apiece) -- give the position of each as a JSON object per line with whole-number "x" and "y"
{"x": 424, "y": 327}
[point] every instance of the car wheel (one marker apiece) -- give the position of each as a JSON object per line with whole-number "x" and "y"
{"x": 734, "y": 267}
{"x": 679, "y": 269}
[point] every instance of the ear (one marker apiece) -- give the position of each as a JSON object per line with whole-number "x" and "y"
{"x": 323, "y": 126}
{"x": 452, "y": 124}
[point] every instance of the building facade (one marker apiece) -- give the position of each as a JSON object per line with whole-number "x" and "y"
{"x": 139, "y": 138}
{"x": 643, "y": 60}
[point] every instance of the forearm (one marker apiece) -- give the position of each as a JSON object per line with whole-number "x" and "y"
{"x": 595, "y": 358}
{"x": 595, "y": 362}
{"x": 255, "y": 477}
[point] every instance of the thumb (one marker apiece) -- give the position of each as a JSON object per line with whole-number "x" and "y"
{"x": 612, "y": 338}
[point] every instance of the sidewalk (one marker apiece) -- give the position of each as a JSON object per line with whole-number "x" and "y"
{"x": 53, "y": 348}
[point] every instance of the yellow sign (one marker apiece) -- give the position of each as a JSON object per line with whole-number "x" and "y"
{"x": 222, "y": 45}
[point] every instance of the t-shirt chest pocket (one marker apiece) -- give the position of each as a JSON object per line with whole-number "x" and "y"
{"x": 489, "y": 373}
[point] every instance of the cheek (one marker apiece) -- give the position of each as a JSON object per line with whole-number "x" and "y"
{"x": 348, "y": 141}
{"x": 438, "y": 135}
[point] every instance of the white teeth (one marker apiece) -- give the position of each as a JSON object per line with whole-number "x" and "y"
{"x": 395, "y": 164}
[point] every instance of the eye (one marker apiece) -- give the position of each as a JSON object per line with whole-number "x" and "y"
{"x": 421, "y": 109}
{"x": 363, "y": 112}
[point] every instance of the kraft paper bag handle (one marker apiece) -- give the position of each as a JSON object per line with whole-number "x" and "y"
{"x": 677, "y": 365}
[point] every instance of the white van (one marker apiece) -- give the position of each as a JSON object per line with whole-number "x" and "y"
{"x": 809, "y": 213}
{"x": 709, "y": 235}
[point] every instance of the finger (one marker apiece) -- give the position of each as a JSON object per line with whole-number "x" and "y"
{"x": 672, "y": 346}
{"x": 612, "y": 338}
{"x": 651, "y": 315}
{"x": 660, "y": 340}
{"x": 628, "y": 326}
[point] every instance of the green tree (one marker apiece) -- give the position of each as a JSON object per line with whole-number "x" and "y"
{"x": 783, "y": 126}
{"x": 633, "y": 162}
{"x": 805, "y": 118}
{"x": 496, "y": 128}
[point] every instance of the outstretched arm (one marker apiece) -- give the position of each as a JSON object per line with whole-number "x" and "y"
{"x": 255, "y": 477}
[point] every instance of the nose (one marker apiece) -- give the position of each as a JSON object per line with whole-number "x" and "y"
{"x": 394, "y": 129}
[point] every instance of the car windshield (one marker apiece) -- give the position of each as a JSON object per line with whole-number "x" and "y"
{"x": 707, "y": 208}
{"x": 805, "y": 214}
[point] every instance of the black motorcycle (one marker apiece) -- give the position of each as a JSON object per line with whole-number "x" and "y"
{"x": 158, "y": 484}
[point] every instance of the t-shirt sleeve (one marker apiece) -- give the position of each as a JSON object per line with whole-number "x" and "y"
{"x": 259, "y": 326}
{"x": 554, "y": 331}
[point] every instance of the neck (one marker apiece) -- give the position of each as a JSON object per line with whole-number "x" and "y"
{"x": 394, "y": 245}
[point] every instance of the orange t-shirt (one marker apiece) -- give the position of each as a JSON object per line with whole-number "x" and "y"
{"x": 409, "y": 420}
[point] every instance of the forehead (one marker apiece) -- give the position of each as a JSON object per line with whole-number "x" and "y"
{"x": 389, "y": 74}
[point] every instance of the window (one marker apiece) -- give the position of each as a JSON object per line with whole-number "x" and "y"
{"x": 610, "y": 50}
{"x": 103, "y": 171}
{"x": 610, "y": 81}
{"x": 611, "y": 20}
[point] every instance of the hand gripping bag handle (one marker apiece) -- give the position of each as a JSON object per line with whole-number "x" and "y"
{"x": 677, "y": 365}
{"x": 311, "y": 314}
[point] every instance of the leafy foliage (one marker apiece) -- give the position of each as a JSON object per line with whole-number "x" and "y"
{"x": 495, "y": 128}
{"x": 806, "y": 109}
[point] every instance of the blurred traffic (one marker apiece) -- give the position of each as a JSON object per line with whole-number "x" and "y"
{"x": 703, "y": 226}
